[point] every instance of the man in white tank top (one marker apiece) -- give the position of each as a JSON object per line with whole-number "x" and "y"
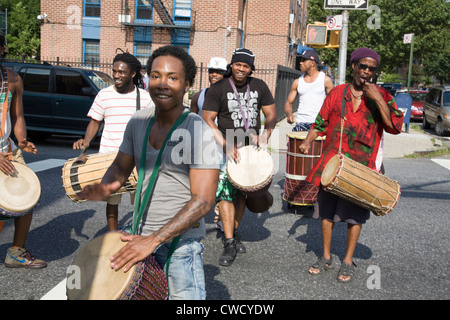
{"x": 311, "y": 88}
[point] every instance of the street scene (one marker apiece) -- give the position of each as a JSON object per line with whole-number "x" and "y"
{"x": 264, "y": 157}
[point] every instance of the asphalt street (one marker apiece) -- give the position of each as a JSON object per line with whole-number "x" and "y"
{"x": 401, "y": 256}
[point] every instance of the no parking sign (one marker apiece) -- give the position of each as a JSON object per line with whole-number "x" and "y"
{"x": 334, "y": 22}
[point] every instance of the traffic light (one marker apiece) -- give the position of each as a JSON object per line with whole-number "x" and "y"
{"x": 316, "y": 34}
{"x": 334, "y": 39}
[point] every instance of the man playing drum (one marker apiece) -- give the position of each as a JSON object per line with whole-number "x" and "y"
{"x": 17, "y": 255}
{"x": 369, "y": 110}
{"x": 185, "y": 187}
{"x": 115, "y": 105}
{"x": 237, "y": 101}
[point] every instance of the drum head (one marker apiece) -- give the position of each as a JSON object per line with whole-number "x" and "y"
{"x": 330, "y": 171}
{"x": 255, "y": 168}
{"x": 301, "y": 135}
{"x": 20, "y": 191}
{"x": 96, "y": 279}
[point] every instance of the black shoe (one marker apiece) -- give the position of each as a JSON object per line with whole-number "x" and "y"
{"x": 239, "y": 245}
{"x": 229, "y": 252}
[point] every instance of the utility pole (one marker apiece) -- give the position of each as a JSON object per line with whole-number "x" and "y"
{"x": 343, "y": 47}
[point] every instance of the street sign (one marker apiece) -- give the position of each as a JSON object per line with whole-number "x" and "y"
{"x": 334, "y": 22}
{"x": 346, "y": 4}
{"x": 407, "y": 38}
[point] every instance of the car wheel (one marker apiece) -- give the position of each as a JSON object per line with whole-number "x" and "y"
{"x": 439, "y": 127}
{"x": 426, "y": 124}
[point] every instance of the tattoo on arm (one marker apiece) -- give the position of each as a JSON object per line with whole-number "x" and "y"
{"x": 186, "y": 218}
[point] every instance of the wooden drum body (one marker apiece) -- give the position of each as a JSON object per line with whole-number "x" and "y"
{"x": 296, "y": 190}
{"x": 75, "y": 176}
{"x": 253, "y": 175}
{"x": 20, "y": 192}
{"x": 361, "y": 185}
{"x": 94, "y": 279}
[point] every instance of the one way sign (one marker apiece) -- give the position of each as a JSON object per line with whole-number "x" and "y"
{"x": 346, "y": 4}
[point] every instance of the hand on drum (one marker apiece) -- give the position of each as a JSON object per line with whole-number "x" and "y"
{"x": 137, "y": 249}
{"x": 5, "y": 165}
{"x": 304, "y": 147}
{"x": 98, "y": 191}
{"x": 80, "y": 144}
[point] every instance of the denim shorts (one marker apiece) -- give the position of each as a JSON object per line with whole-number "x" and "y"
{"x": 186, "y": 274}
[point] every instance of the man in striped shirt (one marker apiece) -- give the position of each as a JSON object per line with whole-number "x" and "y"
{"x": 115, "y": 105}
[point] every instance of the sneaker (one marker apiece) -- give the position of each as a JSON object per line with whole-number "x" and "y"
{"x": 239, "y": 245}
{"x": 22, "y": 258}
{"x": 219, "y": 226}
{"x": 229, "y": 252}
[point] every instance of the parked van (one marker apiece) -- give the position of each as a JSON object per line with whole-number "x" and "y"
{"x": 57, "y": 99}
{"x": 436, "y": 110}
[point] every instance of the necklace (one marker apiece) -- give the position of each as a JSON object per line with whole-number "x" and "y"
{"x": 356, "y": 97}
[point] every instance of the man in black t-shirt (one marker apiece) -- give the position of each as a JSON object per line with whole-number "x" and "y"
{"x": 237, "y": 117}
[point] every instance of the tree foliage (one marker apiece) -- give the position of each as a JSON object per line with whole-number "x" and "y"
{"x": 427, "y": 19}
{"x": 23, "y": 36}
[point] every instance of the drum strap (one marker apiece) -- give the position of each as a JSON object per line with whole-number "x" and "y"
{"x": 343, "y": 115}
{"x": 140, "y": 208}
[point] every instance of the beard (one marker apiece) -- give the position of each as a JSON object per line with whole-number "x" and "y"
{"x": 124, "y": 87}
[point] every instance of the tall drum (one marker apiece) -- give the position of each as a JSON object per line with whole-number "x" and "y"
{"x": 296, "y": 190}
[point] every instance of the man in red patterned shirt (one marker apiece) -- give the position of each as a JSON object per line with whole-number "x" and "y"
{"x": 369, "y": 110}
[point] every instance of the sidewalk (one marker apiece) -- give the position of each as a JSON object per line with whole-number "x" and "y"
{"x": 395, "y": 146}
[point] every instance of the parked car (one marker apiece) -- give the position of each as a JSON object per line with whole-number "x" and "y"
{"x": 392, "y": 88}
{"x": 57, "y": 99}
{"x": 436, "y": 109}
{"x": 418, "y": 96}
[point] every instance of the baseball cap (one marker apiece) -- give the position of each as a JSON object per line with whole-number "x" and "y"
{"x": 218, "y": 63}
{"x": 310, "y": 55}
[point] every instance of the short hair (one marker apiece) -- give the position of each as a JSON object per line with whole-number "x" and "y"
{"x": 133, "y": 63}
{"x": 188, "y": 62}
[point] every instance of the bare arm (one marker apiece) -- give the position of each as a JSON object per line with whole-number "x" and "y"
{"x": 290, "y": 101}
{"x": 306, "y": 145}
{"x": 328, "y": 84}
{"x": 194, "y": 102}
{"x": 203, "y": 184}
{"x": 91, "y": 131}
{"x": 271, "y": 120}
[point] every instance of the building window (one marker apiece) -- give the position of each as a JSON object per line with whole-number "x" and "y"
{"x": 144, "y": 9}
{"x": 91, "y": 52}
{"x": 92, "y": 8}
{"x": 142, "y": 51}
{"x": 182, "y": 10}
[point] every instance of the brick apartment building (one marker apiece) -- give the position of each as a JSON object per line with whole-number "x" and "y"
{"x": 92, "y": 30}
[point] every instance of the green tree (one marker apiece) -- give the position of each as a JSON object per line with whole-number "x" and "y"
{"x": 427, "y": 19}
{"x": 23, "y": 36}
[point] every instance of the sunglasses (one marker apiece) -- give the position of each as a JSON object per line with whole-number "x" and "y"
{"x": 363, "y": 66}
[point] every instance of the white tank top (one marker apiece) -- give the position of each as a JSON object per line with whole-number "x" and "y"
{"x": 311, "y": 96}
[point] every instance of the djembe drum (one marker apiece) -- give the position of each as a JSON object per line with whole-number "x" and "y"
{"x": 296, "y": 190}
{"x": 94, "y": 279}
{"x": 253, "y": 175}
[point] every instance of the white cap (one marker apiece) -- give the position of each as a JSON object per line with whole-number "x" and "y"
{"x": 218, "y": 63}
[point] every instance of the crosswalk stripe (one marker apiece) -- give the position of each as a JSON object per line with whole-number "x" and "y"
{"x": 443, "y": 162}
{"x": 45, "y": 164}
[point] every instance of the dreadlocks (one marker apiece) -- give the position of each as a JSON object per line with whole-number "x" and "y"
{"x": 133, "y": 63}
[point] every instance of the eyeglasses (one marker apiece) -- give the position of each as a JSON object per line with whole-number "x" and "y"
{"x": 363, "y": 66}
{"x": 216, "y": 71}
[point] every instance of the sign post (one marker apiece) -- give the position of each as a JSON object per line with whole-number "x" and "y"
{"x": 409, "y": 38}
{"x": 344, "y": 5}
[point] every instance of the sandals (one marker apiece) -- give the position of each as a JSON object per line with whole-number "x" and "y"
{"x": 346, "y": 270}
{"x": 322, "y": 265}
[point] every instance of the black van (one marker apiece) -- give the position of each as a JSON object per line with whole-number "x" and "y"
{"x": 57, "y": 99}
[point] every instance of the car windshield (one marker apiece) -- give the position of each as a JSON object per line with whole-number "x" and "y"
{"x": 417, "y": 96}
{"x": 100, "y": 79}
{"x": 447, "y": 98}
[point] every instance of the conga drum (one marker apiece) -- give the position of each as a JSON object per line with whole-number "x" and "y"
{"x": 296, "y": 190}
{"x": 20, "y": 192}
{"x": 361, "y": 185}
{"x": 92, "y": 278}
{"x": 75, "y": 176}
{"x": 253, "y": 175}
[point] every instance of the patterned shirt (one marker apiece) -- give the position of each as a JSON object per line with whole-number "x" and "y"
{"x": 362, "y": 131}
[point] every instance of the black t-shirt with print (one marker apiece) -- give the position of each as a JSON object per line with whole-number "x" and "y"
{"x": 220, "y": 98}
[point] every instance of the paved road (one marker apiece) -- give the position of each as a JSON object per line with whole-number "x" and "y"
{"x": 403, "y": 255}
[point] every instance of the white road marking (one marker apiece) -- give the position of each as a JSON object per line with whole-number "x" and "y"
{"x": 45, "y": 164}
{"x": 443, "y": 162}
{"x": 57, "y": 293}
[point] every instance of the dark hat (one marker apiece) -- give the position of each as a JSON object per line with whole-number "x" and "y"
{"x": 245, "y": 56}
{"x": 310, "y": 55}
{"x": 364, "y": 53}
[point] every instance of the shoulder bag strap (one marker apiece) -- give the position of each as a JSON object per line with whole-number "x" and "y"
{"x": 138, "y": 99}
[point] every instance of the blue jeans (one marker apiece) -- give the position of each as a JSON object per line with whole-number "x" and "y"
{"x": 186, "y": 274}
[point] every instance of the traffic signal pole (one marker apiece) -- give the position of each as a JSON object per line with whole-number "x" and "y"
{"x": 343, "y": 48}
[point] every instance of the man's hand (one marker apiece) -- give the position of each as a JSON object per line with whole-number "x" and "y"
{"x": 28, "y": 146}
{"x": 98, "y": 191}
{"x": 5, "y": 165}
